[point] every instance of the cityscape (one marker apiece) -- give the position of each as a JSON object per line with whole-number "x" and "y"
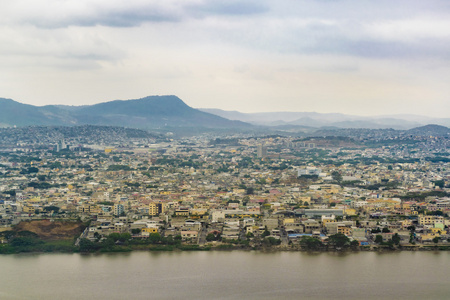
{"x": 224, "y": 149}
{"x": 108, "y": 189}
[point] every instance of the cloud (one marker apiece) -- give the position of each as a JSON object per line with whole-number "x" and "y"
{"x": 64, "y": 48}
{"x": 211, "y": 49}
{"x": 85, "y": 13}
{"x": 229, "y": 7}
{"x": 116, "y": 13}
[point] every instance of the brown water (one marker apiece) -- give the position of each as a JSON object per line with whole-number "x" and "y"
{"x": 226, "y": 275}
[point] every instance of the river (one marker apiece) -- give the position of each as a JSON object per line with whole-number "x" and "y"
{"x": 226, "y": 275}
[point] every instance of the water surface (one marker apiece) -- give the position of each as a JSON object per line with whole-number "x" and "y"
{"x": 226, "y": 275}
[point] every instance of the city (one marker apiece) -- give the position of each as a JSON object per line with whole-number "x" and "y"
{"x": 117, "y": 190}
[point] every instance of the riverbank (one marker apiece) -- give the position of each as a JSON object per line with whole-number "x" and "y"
{"x": 67, "y": 246}
{"x": 62, "y": 237}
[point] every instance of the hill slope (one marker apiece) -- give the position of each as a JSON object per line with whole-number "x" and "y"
{"x": 148, "y": 112}
{"x": 429, "y": 130}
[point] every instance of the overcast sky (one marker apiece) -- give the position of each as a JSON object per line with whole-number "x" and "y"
{"x": 356, "y": 57}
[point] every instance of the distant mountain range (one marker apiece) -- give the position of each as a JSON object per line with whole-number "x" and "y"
{"x": 317, "y": 120}
{"x": 146, "y": 113}
{"x": 159, "y": 112}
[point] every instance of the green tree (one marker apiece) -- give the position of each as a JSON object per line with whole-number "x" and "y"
{"x": 265, "y": 233}
{"x": 338, "y": 241}
{"x": 87, "y": 246}
{"x": 378, "y": 239}
{"x": 271, "y": 241}
{"x": 55, "y": 209}
{"x": 154, "y": 238}
{"x": 439, "y": 183}
{"x": 396, "y": 239}
{"x": 26, "y": 241}
{"x": 354, "y": 244}
{"x": 135, "y": 230}
{"x": 411, "y": 238}
{"x": 124, "y": 237}
{"x": 210, "y": 237}
{"x": 336, "y": 176}
{"x": 97, "y": 236}
{"x": 311, "y": 243}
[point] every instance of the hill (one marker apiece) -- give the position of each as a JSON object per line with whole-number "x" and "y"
{"x": 146, "y": 113}
{"x": 429, "y": 130}
{"x": 19, "y": 114}
{"x": 82, "y": 134}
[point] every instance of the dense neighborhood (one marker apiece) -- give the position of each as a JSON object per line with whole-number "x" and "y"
{"x": 160, "y": 192}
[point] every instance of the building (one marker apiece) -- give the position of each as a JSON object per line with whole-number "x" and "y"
{"x": 155, "y": 209}
{"x": 309, "y": 171}
{"x": 430, "y": 220}
{"x": 261, "y": 151}
{"x": 118, "y": 209}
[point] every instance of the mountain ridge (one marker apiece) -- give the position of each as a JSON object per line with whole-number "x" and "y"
{"x": 144, "y": 113}
{"x": 314, "y": 119}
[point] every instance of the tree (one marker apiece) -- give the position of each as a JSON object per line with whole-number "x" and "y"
{"x": 338, "y": 241}
{"x": 250, "y": 191}
{"x": 378, "y": 239}
{"x": 135, "y": 230}
{"x": 336, "y": 176}
{"x": 97, "y": 236}
{"x": 439, "y": 183}
{"x": 271, "y": 241}
{"x": 29, "y": 170}
{"x": 385, "y": 230}
{"x": 411, "y": 238}
{"x": 354, "y": 244}
{"x": 265, "y": 233}
{"x": 311, "y": 243}
{"x": 154, "y": 238}
{"x": 210, "y": 237}
{"x": 55, "y": 209}
{"x": 124, "y": 237}
{"x": 396, "y": 239}
{"x": 436, "y": 239}
{"x": 25, "y": 241}
{"x": 87, "y": 246}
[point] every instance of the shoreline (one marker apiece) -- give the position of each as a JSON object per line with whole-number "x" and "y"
{"x": 230, "y": 248}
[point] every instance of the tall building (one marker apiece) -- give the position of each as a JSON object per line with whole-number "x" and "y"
{"x": 261, "y": 151}
{"x": 155, "y": 208}
{"x": 118, "y": 209}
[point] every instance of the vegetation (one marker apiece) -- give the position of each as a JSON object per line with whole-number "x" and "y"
{"x": 27, "y": 241}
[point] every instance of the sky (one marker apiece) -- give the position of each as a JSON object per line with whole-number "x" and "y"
{"x": 358, "y": 57}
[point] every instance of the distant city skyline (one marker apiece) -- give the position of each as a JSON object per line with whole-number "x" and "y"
{"x": 353, "y": 57}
